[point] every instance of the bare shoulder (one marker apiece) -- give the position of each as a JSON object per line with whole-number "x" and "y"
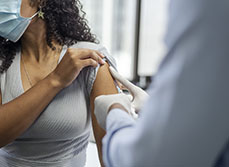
{"x": 104, "y": 83}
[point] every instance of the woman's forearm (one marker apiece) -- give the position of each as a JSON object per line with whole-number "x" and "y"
{"x": 18, "y": 115}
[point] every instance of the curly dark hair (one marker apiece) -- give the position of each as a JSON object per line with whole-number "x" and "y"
{"x": 65, "y": 24}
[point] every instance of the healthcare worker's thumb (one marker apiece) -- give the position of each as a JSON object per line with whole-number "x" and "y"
{"x": 139, "y": 95}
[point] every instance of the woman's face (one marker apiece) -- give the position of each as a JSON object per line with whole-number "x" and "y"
{"x": 28, "y": 10}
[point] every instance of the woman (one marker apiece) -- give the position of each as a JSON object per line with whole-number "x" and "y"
{"x": 49, "y": 80}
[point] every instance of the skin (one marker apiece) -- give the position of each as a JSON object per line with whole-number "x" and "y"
{"x": 103, "y": 85}
{"x": 19, "y": 114}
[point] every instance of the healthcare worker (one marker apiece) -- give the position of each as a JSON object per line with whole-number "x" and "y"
{"x": 185, "y": 122}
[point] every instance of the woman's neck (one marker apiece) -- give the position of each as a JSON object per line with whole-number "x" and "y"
{"x": 34, "y": 43}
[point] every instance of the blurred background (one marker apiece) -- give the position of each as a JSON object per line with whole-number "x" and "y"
{"x": 132, "y": 31}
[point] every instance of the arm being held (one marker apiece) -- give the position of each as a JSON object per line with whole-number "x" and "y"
{"x": 103, "y": 85}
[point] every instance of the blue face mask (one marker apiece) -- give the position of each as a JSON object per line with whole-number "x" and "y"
{"x": 12, "y": 24}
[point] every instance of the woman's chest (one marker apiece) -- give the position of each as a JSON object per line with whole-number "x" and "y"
{"x": 67, "y": 116}
{"x": 33, "y": 72}
{"x": 31, "y": 76}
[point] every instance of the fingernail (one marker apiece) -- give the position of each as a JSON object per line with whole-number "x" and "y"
{"x": 103, "y": 61}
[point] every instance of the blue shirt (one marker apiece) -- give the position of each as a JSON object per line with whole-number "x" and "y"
{"x": 185, "y": 121}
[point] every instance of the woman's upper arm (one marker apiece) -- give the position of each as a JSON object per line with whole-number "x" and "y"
{"x": 104, "y": 83}
{"x": 0, "y": 97}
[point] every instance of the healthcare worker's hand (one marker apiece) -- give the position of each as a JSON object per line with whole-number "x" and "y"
{"x": 73, "y": 62}
{"x": 105, "y": 102}
{"x": 139, "y": 96}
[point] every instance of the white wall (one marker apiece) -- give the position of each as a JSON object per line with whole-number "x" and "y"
{"x": 153, "y": 26}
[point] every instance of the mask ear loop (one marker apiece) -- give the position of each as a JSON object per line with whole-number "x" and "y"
{"x": 34, "y": 15}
